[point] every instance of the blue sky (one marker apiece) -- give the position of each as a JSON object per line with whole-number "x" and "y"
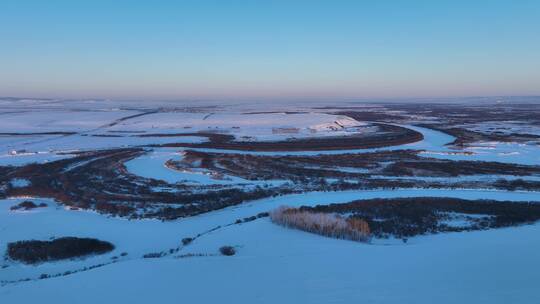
{"x": 269, "y": 49}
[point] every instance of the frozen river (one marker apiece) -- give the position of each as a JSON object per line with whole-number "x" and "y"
{"x": 434, "y": 145}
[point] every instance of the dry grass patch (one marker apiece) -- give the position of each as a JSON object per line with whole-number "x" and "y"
{"x": 327, "y": 224}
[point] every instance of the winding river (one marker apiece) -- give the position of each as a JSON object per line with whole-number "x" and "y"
{"x": 434, "y": 144}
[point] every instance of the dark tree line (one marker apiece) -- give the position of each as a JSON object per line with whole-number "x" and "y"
{"x": 407, "y": 217}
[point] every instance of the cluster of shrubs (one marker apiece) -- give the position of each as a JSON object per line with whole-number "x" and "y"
{"x": 187, "y": 241}
{"x": 27, "y": 205}
{"x": 251, "y": 218}
{"x": 98, "y": 180}
{"x": 408, "y": 217}
{"x": 44, "y": 276}
{"x": 192, "y": 255}
{"x": 517, "y": 184}
{"x": 326, "y": 224}
{"x": 227, "y": 250}
{"x": 34, "y": 251}
{"x": 456, "y": 168}
{"x": 154, "y": 255}
{"x": 300, "y": 169}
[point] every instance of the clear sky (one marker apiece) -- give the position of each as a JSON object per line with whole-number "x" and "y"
{"x": 269, "y": 49}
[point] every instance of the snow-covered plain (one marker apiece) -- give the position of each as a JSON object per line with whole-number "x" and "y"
{"x": 59, "y": 120}
{"x": 276, "y": 264}
{"x": 101, "y": 127}
{"x": 246, "y": 126}
{"x": 91, "y": 120}
{"x": 273, "y": 264}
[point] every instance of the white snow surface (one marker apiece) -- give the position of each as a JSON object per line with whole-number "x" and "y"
{"x": 90, "y": 118}
{"x": 244, "y": 126}
{"x": 274, "y": 264}
{"x": 59, "y": 120}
